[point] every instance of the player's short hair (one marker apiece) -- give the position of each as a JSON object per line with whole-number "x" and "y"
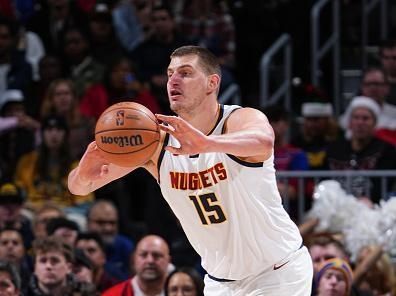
{"x": 207, "y": 60}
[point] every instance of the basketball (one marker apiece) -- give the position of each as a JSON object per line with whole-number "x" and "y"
{"x": 127, "y": 134}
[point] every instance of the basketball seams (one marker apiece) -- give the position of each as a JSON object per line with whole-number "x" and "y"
{"x": 126, "y": 129}
{"x": 130, "y": 108}
{"x": 130, "y": 152}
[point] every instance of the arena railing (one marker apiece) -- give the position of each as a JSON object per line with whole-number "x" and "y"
{"x": 282, "y": 44}
{"x": 367, "y": 8}
{"x": 231, "y": 95}
{"x": 332, "y": 43}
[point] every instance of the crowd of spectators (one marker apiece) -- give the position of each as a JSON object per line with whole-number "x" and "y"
{"x": 63, "y": 62}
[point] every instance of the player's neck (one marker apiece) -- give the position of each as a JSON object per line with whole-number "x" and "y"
{"x": 204, "y": 118}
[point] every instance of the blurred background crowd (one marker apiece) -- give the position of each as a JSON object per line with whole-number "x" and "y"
{"x": 63, "y": 62}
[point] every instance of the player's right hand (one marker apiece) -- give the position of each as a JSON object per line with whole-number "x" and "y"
{"x": 93, "y": 172}
{"x": 92, "y": 165}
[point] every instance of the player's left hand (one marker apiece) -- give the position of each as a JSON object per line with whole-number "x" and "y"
{"x": 192, "y": 141}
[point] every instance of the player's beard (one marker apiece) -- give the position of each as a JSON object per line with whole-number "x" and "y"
{"x": 185, "y": 106}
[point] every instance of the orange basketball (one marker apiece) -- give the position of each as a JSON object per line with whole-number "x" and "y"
{"x": 127, "y": 134}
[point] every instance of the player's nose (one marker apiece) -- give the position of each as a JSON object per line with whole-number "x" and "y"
{"x": 174, "y": 79}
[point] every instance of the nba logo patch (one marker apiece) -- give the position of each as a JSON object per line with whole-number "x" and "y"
{"x": 120, "y": 117}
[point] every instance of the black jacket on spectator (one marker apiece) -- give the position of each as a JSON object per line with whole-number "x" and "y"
{"x": 72, "y": 288}
{"x": 19, "y": 75}
{"x": 377, "y": 155}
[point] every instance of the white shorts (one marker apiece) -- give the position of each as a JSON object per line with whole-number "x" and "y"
{"x": 291, "y": 276}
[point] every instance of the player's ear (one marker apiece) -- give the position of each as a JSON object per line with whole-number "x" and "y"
{"x": 213, "y": 83}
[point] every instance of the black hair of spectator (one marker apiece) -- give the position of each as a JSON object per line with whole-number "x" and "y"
{"x": 276, "y": 113}
{"x": 81, "y": 259}
{"x": 374, "y": 68}
{"x": 60, "y": 222}
{"x": 54, "y": 120}
{"x": 92, "y": 236}
{"x": 42, "y": 167}
{"x": 162, "y": 6}
{"x": 12, "y": 25}
{"x": 51, "y": 57}
{"x": 114, "y": 62}
{"x": 12, "y": 271}
{"x": 11, "y": 228}
{"x": 192, "y": 273}
{"x": 387, "y": 44}
{"x": 83, "y": 31}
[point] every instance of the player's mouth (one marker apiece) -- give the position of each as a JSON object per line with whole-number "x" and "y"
{"x": 174, "y": 93}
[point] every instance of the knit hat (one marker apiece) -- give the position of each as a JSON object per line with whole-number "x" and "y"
{"x": 101, "y": 12}
{"x": 337, "y": 264}
{"x": 56, "y": 121}
{"x": 316, "y": 109}
{"x": 10, "y": 193}
{"x": 10, "y": 96}
{"x": 359, "y": 102}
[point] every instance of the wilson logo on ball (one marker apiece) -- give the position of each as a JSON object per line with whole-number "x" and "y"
{"x": 123, "y": 141}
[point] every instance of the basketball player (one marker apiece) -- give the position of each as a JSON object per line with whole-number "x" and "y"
{"x": 215, "y": 169}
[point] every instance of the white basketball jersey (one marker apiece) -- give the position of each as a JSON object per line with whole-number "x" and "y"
{"x": 230, "y": 210}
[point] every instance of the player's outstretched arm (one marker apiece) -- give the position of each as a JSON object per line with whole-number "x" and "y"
{"x": 93, "y": 172}
{"x": 248, "y": 135}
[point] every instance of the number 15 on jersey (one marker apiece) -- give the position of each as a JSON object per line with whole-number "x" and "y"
{"x": 209, "y": 208}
